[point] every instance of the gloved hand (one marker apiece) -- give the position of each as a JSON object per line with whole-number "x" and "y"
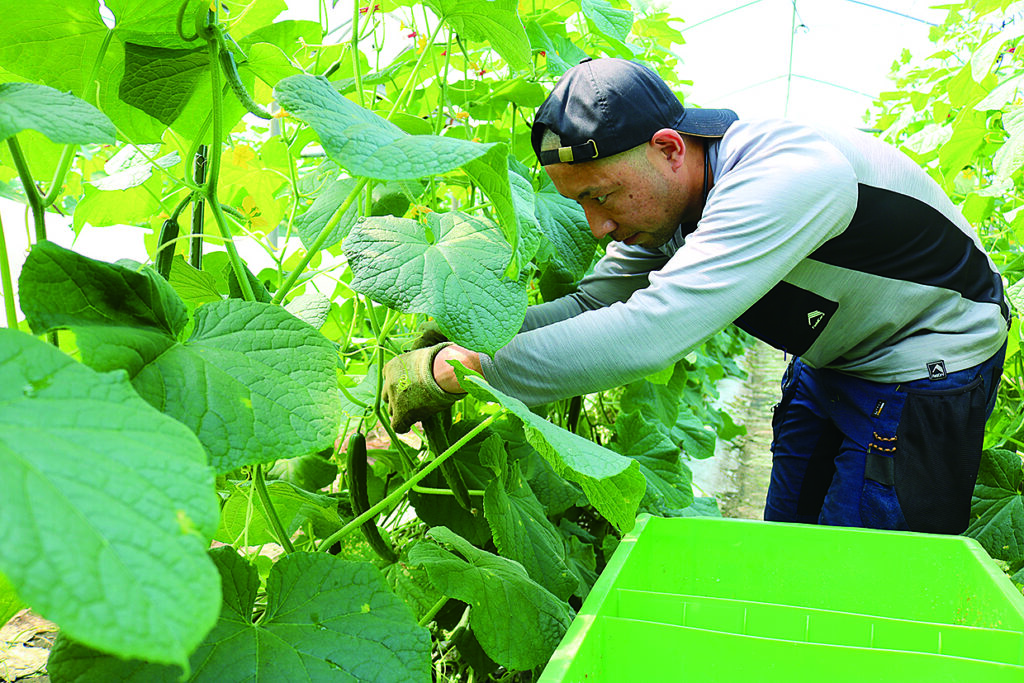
{"x": 410, "y": 390}
{"x": 429, "y": 334}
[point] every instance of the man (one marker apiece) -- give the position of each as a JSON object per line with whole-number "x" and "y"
{"x": 828, "y": 244}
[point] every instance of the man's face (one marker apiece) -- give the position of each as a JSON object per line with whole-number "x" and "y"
{"x": 630, "y": 198}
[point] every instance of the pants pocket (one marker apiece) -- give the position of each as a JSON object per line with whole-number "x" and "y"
{"x": 938, "y": 450}
{"x": 879, "y": 507}
{"x": 788, "y": 385}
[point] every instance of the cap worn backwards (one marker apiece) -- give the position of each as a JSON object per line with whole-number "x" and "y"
{"x": 601, "y": 107}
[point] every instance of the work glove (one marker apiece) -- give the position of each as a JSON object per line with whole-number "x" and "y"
{"x": 410, "y": 390}
{"x": 429, "y": 334}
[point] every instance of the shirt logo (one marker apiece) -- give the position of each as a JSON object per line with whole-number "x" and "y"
{"x": 814, "y": 318}
{"x": 936, "y": 370}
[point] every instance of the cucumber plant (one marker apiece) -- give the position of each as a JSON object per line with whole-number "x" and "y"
{"x": 189, "y": 397}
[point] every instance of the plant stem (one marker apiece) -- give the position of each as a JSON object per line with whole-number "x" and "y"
{"x": 268, "y": 510}
{"x": 399, "y": 445}
{"x": 66, "y": 157}
{"x": 415, "y": 70}
{"x": 7, "y": 283}
{"x": 319, "y": 243}
{"x": 429, "y": 616}
{"x": 397, "y": 494}
{"x": 216, "y": 151}
{"x": 195, "y": 252}
{"x": 35, "y": 202}
{"x": 430, "y": 491}
{"x": 355, "y": 49}
{"x": 380, "y": 333}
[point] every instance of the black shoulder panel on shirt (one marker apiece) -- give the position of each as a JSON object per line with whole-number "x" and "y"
{"x": 788, "y": 317}
{"x": 896, "y": 236}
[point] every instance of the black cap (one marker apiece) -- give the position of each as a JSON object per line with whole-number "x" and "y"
{"x": 601, "y": 107}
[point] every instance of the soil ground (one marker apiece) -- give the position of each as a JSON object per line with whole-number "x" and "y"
{"x": 740, "y": 470}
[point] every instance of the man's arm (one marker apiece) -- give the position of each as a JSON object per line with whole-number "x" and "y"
{"x": 620, "y": 272}
{"x": 779, "y": 198}
{"x": 444, "y": 373}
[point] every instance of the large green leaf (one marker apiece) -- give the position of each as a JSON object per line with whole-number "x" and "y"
{"x": 612, "y": 483}
{"x": 9, "y": 602}
{"x": 61, "y": 117}
{"x": 120, "y": 207}
{"x": 53, "y": 41}
{"x": 326, "y": 619}
{"x": 669, "y": 480}
{"x": 997, "y": 508}
{"x": 310, "y": 224}
{"x": 450, "y": 269}
{"x": 655, "y": 401}
{"x": 969, "y": 134}
{"x": 160, "y": 80}
{"x": 985, "y": 54}
{"x": 520, "y": 526}
{"x": 131, "y": 167}
{"x": 243, "y": 520}
{"x": 254, "y": 382}
{"x": 194, "y": 286}
{"x": 524, "y": 203}
{"x": 63, "y": 43}
{"x": 1002, "y": 94}
{"x": 107, "y": 507}
{"x": 555, "y": 493}
{"x": 611, "y": 23}
{"x": 692, "y": 436}
{"x": 517, "y": 621}
{"x": 562, "y": 54}
{"x": 412, "y": 585}
{"x": 563, "y": 222}
{"x": 60, "y": 288}
{"x": 494, "y": 21}
{"x": 308, "y": 472}
{"x": 365, "y": 144}
{"x": 490, "y": 173}
{"x": 289, "y": 35}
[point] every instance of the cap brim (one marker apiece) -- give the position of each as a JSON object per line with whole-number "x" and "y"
{"x": 708, "y": 123}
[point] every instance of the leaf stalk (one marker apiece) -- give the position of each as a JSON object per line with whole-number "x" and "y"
{"x": 7, "y": 283}
{"x": 216, "y": 151}
{"x": 260, "y": 484}
{"x": 35, "y": 201}
{"x": 319, "y": 243}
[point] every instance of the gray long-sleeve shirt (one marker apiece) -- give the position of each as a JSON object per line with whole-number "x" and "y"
{"x": 828, "y": 244}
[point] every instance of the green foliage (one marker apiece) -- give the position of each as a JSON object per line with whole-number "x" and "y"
{"x": 997, "y": 511}
{"x": 451, "y": 269}
{"x": 517, "y": 622}
{"x": 74, "y": 441}
{"x": 261, "y": 380}
{"x": 324, "y": 618}
{"x": 61, "y": 117}
{"x": 611, "y": 483}
{"x": 365, "y": 144}
{"x": 384, "y": 190}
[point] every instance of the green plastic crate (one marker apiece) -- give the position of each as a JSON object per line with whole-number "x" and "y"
{"x": 736, "y": 600}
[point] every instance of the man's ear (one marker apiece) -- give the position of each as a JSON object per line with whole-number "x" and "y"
{"x": 670, "y": 144}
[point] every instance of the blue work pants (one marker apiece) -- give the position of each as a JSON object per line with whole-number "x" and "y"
{"x": 850, "y": 452}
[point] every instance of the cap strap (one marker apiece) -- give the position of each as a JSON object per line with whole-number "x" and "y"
{"x": 567, "y": 155}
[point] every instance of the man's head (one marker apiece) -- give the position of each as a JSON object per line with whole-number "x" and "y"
{"x": 614, "y": 138}
{"x": 602, "y": 107}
